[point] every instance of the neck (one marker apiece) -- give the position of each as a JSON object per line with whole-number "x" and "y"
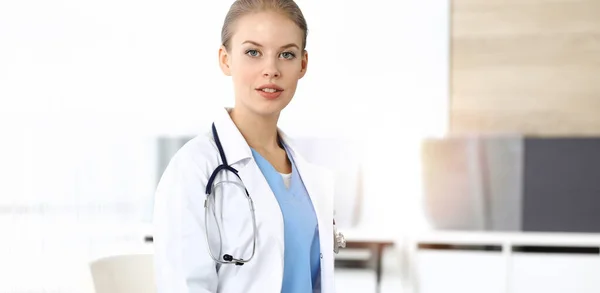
{"x": 260, "y": 132}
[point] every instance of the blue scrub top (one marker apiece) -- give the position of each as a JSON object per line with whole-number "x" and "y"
{"x": 301, "y": 270}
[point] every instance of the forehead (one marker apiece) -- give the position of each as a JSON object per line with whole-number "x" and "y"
{"x": 269, "y": 29}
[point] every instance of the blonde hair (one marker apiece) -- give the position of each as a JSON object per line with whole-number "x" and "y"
{"x": 240, "y": 8}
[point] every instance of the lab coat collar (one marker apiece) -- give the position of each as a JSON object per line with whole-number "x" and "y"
{"x": 235, "y": 146}
{"x": 289, "y": 142}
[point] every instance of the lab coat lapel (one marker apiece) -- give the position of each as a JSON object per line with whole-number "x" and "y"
{"x": 267, "y": 210}
{"x": 312, "y": 177}
{"x": 319, "y": 184}
{"x": 317, "y": 180}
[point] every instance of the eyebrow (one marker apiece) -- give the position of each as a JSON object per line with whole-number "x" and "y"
{"x": 282, "y": 47}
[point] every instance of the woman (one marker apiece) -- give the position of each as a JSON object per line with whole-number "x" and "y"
{"x": 287, "y": 246}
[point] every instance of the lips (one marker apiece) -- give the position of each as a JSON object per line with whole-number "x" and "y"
{"x": 270, "y": 86}
{"x": 269, "y": 91}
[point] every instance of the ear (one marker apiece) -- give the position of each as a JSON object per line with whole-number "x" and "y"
{"x": 224, "y": 61}
{"x": 304, "y": 63}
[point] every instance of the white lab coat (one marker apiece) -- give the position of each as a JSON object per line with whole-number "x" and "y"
{"x": 182, "y": 262}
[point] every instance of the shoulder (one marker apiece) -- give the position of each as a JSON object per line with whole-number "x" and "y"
{"x": 200, "y": 148}
{"x": 197, "y": 157}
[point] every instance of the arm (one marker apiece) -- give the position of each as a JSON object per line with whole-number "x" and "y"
{"x": 181, "y": 260}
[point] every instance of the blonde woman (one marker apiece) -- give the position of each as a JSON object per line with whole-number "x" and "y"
{"x": 238, "y": 209}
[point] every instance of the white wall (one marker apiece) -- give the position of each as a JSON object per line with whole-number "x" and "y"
{"x": 85, "y": 87}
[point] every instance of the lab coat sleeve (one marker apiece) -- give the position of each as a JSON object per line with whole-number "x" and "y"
{"x": 181, "y": 259}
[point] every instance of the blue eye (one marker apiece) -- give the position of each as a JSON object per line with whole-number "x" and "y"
{"x": 288, "y": 55}
{"x": 252, "y": 53}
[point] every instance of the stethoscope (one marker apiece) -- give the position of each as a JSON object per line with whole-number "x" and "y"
{"x": 338, "y": 238}
{"x": 227, "y": 258}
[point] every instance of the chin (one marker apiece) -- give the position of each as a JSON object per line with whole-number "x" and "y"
{"x": 270, "y": 107}
{"x": 267, "y": 110}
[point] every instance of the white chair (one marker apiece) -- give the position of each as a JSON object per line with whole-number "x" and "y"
{"x": 132, "y": 273}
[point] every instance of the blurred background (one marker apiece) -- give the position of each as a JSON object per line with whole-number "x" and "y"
{"x": 464, "y": 135}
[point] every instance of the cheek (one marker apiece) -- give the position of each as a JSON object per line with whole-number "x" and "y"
{"x": 293, "y": 69}
{"x": 244, "y": 74}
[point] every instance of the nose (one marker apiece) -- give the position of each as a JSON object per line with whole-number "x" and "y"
{"x": 271, "y": 70}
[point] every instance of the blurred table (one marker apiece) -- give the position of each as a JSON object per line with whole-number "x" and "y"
{"x": 372, "y": 241}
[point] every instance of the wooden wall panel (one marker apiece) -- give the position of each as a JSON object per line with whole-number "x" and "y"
{"x": 529, "y": 66}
